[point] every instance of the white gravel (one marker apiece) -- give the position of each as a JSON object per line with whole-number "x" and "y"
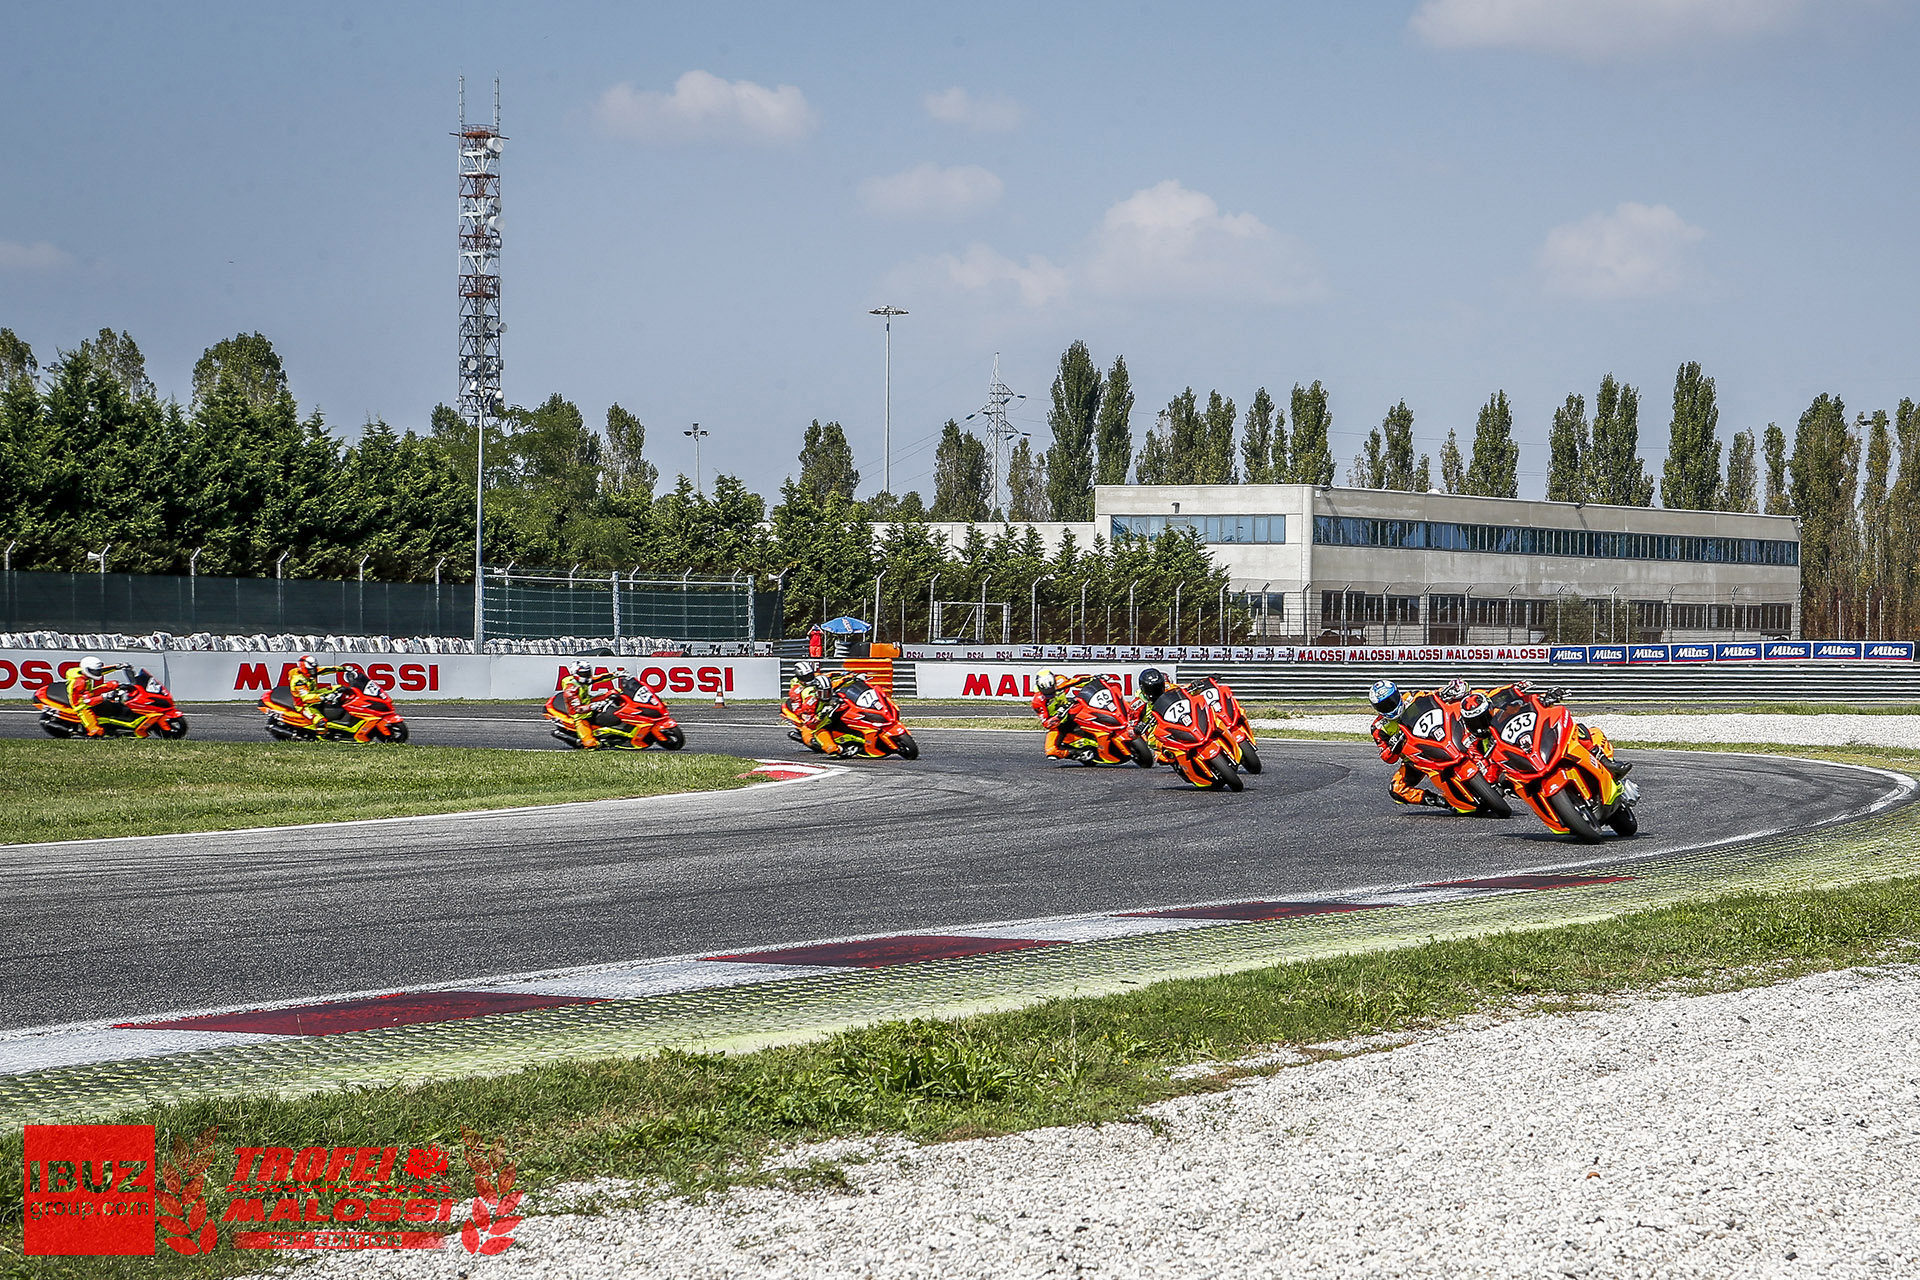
{"x": 1790, "y": 730}
{"x": 1761, "y": 1133}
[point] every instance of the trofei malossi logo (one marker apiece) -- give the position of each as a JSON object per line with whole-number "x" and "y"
{"x": 97, "y": 1189}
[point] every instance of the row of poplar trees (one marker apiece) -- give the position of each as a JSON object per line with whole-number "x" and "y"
{"x": 92, "y": 458}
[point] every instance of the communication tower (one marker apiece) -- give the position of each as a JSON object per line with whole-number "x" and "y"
{"x": 481, "y": 401}
{"x": 999, "y": 430}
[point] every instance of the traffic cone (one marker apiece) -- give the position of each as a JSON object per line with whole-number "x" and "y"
{"x": 719, "y": 698}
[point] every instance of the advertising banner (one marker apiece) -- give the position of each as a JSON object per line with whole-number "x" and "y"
{"x": 1889, "y": 651}
{"x": 1646, "y": 653}
{"x": 999, "y": 680}
{"x": 1786, "y": 650}
{"x": 1608, "y": 653}
{"x": 1836, "y": 649}
{"x": 1567, "y": 653}
{"x": 244, "y": 677}
{"x": 1690, "y": 652}
{"x": 1742, "y": 651}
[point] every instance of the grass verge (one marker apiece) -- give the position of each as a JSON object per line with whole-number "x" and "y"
{"x": 70, "y": 790}
{"x": 689, "y": 1123}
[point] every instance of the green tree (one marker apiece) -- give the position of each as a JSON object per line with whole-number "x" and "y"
{"x": 1494, "y": 471}
{"x": 1397, "y": 467}
{"x": 1311, "y": 459}
{"x": 627, "y": 469}
{"x": 117, "y": 356}
{"x": 1113, "y": 429}
{"x": 1903, "y": 523}
{"x": 1615, "y": 473}
{"x": 826, "y": 462}
{"x": 245, "y": 362}
{"x": 962, "y": 475}
{"x": 1742, "y": 480}
{"x": 1779, "y": 492}
{"x": 1369, "y": 469}
{"x": 1567, "y": 445}
{"x": 1453, "y": 470}
{"x": 1074, "y": 422}
{"x": 1265, "y": 426}
{"x": 553, "y": 508}
{"x": 1026, "y": 483}
{"x": 1874, "y": 543}
{"x": 1156, "y": 462}
{"x": 826, "y": 541}
{"x": 1825, "y": 471}
{"x": 1214, "y": 462}
{"x": 16, "y": 359}
{"x": 1691, "y": 478}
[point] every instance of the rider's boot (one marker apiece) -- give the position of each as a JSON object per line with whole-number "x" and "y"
{"x": 89, "y": 721}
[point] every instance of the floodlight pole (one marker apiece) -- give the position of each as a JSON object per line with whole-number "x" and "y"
{"x": 698, "y": 435}
{"x": 886, "y": 438}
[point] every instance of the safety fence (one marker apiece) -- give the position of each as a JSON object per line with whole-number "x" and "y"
{"x": 519, "y": 606}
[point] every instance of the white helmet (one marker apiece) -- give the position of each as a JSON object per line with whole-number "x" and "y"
{"x": 805, "y": 670}
{"x": 1044, "y": 680}
{"x": 93, "y": 667}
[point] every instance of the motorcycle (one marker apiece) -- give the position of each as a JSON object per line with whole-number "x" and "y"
{"x": 142, "y": 707}
{"x": 632, "y": 718}
{"x": 1439, "y": 746}
{"x": 1231, "y": 719}
{"x": 1555, "y": 765}
{"x": 864, "y": 722}
{"x": 1098, "y": 729}
{"x": 1186, "y": 736}
{"x": 357, "y": 709}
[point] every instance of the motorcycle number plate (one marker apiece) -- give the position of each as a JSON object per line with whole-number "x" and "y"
{"x": 1102, "y": 699}
{"x": 1212, "y": 696}
{"x": 1179, "y": 713}
{"x": 1429, "y": 725}
{"x": 868, "y": 699}
{"x": 1518, "y": 732}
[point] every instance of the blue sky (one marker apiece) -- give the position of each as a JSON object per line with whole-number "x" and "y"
{"x": 1428, "y": 199}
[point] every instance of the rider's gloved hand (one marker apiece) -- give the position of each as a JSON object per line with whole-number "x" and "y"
{"x": 1555, "y": 696}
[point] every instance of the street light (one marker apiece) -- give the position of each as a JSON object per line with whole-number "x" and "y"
{"x": 931, "y": 638}
{"x": 1033, "y": 606}
{"x": 698, "y": 435}
{"x": 886, "y": 439}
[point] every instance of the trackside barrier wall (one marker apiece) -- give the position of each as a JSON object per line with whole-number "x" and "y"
{"x": 243, "y": 677}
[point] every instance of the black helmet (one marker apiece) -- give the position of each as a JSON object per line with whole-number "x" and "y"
{"x": 1477, "y": 712}
{"x": 1153, "y": 682}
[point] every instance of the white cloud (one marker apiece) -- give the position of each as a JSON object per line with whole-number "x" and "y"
{"x": 38, "y": 256}
{"x": 980, "y": 269}
{"x": 928, "y": 190}
{"x": 982, "y": 115}
{"x": 1637, "y": 251}
{"x": 1168, "y": 241}
{"x": 1596, "y": 29}
{"x": 705, "y": 108}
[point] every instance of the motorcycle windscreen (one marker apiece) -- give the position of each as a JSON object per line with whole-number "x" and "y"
{"x": 1433, "y": 735}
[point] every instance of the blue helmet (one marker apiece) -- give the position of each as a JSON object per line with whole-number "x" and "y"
{"x": 1385, "y": 697}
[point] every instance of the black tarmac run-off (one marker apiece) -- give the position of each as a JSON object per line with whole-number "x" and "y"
{"x": 980, "y": 828}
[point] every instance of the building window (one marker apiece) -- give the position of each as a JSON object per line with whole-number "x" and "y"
{"x": 1213, "y": 530}
{"x": 1581, "y": 544}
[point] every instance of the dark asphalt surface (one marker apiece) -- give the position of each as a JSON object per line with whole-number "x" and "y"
{"x": 980, "y": 828}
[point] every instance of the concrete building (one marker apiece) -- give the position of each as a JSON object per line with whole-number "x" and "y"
{"x": 1329, "y": 565}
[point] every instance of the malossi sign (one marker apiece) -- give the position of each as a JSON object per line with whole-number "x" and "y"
{"x": 993, "y": 680}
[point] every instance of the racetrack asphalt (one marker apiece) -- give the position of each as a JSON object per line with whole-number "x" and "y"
{"x": 980, "y": 828}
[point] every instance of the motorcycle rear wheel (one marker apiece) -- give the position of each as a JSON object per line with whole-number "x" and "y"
{"x": 1250, "y": 758}
{"x": 906, "y": 746}
{"x": 674, "y": 739}
{"x": 1624, "y": 821}
{"x": 1574, "y": 816}
{"x": 1223, "y": 770}
{"x": 1490, "y": 798}
{"x": 55, "y": 726}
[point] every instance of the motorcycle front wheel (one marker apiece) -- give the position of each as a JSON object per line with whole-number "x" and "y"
{"x": 1574, "y": 816}
{"x": 174, "y": 728}
{"x": 1223, "y": 770}
{"x": 1624, "y": 821}
{"x": 906, "y": 746}
{"x": 1490, "y": 798}
{"x": 673, "y": 739}
{"x": 1249, "y": 758}
{"x": 395, "y": 734}
{"x": 1142, "y": 753}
